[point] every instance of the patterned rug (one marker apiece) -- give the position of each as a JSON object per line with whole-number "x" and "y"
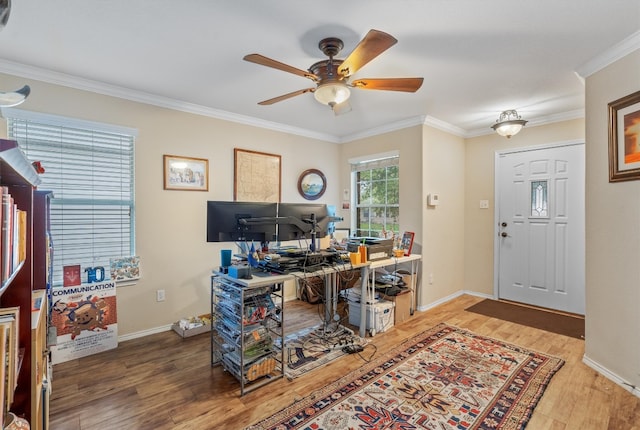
{"x": 444, "y": 378}
{"x": 313, "y": 348}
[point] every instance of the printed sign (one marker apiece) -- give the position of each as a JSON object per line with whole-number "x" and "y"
{"x": 86, "y": 320}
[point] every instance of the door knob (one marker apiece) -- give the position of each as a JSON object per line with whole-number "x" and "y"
{"x": 504, "y": 224}
{"x": 504, "y": 234}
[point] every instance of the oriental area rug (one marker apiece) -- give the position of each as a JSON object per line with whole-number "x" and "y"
{"x": 444, "y": 378}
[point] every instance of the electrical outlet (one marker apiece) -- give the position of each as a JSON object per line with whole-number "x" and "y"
{"x": 160, "y": 296}
{"x": 484, "y": 204}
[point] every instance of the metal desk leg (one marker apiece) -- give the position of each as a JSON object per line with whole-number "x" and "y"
{"x": 364, "y": 299}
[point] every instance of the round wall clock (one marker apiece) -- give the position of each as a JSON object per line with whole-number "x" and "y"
{"x": 312, "y": 184}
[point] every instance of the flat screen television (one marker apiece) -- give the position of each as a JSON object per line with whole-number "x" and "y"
{"x": 302, "y": 212}
{"x": 224, "y": 225}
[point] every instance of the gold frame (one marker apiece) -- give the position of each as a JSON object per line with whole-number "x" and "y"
{"x": 624, "y": 141}
{"x": 257, "y": 176}
{"x": 175, "y": 166}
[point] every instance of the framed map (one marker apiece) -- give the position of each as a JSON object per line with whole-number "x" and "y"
{"x": 256, "y": 177}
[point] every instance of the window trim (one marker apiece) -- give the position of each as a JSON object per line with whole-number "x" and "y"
{"x": 56, "y": 121}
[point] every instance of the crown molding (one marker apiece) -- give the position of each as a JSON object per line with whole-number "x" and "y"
{"x": 542, "y": 120}
{"x": 77, "y": 83}
{"x": 74, "y": 82}
{"x": 611, "y": 55}
{"x": 386, "y": 128}
{"x": 444, "y": 126}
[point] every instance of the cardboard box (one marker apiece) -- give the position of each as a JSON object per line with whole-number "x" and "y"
{"x": 402, "y": 306}
{"x": 205, "y": 328}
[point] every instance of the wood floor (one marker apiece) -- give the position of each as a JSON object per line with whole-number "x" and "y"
{"x": 165, "y": 382}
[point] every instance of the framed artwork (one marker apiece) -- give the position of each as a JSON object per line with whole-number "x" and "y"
{"x": 257, "y": 176}
{"x": 407, "y": 242}
{"x": 624, "y": 138}
{"x": 186, "y": 173}
{"x": 125, "y": 268}
{"x": 312, "y": 184}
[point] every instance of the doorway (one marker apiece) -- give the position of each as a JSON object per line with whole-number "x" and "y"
{"x": 539, "y": 233}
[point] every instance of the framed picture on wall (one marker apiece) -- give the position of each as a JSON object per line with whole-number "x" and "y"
{"x": 186, "y": 173}
{"x": 624, "y": 138}
{"x": 312, "y": 184}
{"x": 257, "y": 176}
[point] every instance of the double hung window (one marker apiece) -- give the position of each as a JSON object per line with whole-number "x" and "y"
{"x": 377, "y": 204}
{"x": 89, "y": 169}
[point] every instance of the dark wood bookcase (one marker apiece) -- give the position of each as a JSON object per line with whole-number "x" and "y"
{"x": 28, "y": 282}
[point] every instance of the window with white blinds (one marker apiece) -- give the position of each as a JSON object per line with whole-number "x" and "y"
{"x": 89, "y": 168}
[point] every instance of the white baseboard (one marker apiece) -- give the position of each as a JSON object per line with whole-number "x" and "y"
{"x": 144, "y": 333}
{"x": 451, "y": 297}
{"x": 611, "y": 376}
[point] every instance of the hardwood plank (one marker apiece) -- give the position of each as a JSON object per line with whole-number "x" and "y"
{"x": 165, "y": 382}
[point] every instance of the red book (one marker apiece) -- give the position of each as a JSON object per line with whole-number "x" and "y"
{"x": 71, "y": 276}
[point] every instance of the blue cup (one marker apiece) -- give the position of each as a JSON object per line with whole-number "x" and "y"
{"x": 225, "y": 257}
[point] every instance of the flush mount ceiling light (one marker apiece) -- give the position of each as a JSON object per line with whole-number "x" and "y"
{"x": 509, "y": 123}
{"x": 14, "y": 98}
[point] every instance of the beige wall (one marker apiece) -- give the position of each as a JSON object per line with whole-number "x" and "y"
{"x": 612, "y": 234}
{"x": 479, "y": 171}
{"x": 170, "y": 225}
{"x": 408, "y": 142}
{"x": 443, "y": 160}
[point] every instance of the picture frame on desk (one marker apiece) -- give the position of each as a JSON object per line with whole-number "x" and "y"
{"x": 186, "y": 173}
{"x": 341, "y": 234}
{"x": 407, "y": 242}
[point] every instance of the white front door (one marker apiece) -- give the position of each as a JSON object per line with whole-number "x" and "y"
{"x": 540, "y": 232}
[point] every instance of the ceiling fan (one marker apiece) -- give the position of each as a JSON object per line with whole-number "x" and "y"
{"x": 332, "y": 76}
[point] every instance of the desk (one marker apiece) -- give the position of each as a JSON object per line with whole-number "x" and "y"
{"x": 367, "y": 282}
{"x": 414, "y": 259}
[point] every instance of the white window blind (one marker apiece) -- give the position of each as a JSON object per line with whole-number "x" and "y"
{"x": 89, "y": 169}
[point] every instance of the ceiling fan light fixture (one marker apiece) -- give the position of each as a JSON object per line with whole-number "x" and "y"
{"x": 14, "y": 98}
{"x": 509, "y": 123}
{"x": 332, "y": 93}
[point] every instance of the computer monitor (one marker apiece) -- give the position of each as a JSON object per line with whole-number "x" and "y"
{"x": 224, "y": 225}
{"x": 295, "y": 220}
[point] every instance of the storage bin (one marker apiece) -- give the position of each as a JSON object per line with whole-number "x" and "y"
{"x": 380, "y": 316}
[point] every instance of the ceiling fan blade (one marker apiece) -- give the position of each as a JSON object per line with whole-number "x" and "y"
{"x": 410, "y": 85}
{"x": 286, "y": 96}
{"x": 264, "y": 61}
{"x": 373, "y": 44}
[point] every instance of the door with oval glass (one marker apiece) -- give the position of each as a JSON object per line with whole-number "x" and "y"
{"x": 540, "y": 230}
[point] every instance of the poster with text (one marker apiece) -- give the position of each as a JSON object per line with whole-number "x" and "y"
{"x": 86, "y": 320}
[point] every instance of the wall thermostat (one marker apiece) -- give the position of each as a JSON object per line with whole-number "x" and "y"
{"x": 433, "y": 199}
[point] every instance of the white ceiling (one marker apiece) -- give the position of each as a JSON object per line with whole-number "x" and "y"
{"x": 478, "y": 57}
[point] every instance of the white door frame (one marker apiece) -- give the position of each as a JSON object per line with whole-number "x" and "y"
{"x": 496, "y": 193}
